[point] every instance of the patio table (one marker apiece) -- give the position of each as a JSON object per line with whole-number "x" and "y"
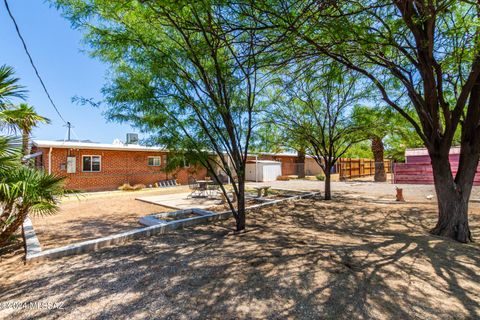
{"x": 203, "y": 187}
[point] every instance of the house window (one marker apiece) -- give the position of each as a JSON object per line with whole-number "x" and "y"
{"x": 91, "y": 163}
{"x": 186, "y": 163}
{"x": 155, "y": 161}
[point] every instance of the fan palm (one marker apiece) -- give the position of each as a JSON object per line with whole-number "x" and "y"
{"x": 9, "y": 152}
{"x": 9, "y": 87}
{"x": 24, "y": 190}
{"x": 24, "y": 118}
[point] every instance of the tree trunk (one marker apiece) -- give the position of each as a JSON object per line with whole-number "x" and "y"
{"x": 453, "y": 197}
{"x": 25, "y": 139}
{"x": 240, "y": 218}
{"x": 13, "y": 227}
{"x": 328, "y": 191}
{"x": 301, "y": 164}
{"x": 377, "y": 150}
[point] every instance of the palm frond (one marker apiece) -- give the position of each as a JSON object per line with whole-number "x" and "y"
{"x": 22, "y": 117}
{"x": 9, "y": 87}
{"x": 10, "y": 152}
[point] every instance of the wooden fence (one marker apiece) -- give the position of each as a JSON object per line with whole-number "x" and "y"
{"x": 349, "y": 168}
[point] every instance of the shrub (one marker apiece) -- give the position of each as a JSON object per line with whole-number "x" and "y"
{"x": 138, "y": 187}
{"x": 26, "y": 191}
{"x": 320, "y": 177}
{"x": 283, "y": 178}
{"x": 125, "y": 187}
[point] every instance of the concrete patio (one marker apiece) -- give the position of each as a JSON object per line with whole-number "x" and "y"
{"x": 180, "y": 201}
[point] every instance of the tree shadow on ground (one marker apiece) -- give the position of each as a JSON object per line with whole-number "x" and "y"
{"x": 309, "y": 259}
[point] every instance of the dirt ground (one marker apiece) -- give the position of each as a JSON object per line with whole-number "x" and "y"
{"x": 95, "y": 215}
{"x": 350, "y": 258}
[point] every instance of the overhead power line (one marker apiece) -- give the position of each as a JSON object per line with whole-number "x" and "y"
{"x": 31, "y": 61}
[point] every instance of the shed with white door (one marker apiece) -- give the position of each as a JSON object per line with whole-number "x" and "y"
{"x": 263, "y": 170}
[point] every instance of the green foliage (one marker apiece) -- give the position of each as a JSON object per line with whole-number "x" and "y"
{"x": 320, "y": 177}
{"x": 359, "y": 150}
{"x": 389, "y": 126}
{"x": 176, "y": 73}
{"x": 21, "y": 117}
{"x": 27, "y": 190}
{"x": 23, "y": 190}
{"x": 313, "y": 109}
{"x": 178, "y": 159}
{"x": 182, "y": 72}
{"x": 9, "y": 152}
{"x": 9, "y": 87}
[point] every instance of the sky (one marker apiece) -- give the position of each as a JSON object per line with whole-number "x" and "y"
{"x": 66, "y": 69}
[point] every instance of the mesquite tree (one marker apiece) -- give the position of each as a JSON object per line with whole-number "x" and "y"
{"x": 314, "y": 107}
{"x": 181, "y": 73}
{"x": 419, "y": 53}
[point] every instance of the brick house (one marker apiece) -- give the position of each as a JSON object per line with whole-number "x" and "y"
{"x": 97, "y": 166}
{"x": 92, "y": 166}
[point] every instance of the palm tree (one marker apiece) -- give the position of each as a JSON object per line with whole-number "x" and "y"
{"x": 24, "y": 118}
{"x": 9, "y": 87}
{"x": 25, "y": 190}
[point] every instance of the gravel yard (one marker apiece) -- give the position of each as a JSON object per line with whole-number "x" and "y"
{"x": 365, "y": 187}
{"x": 95, "y": 215}
{"x": 350, "y": 258}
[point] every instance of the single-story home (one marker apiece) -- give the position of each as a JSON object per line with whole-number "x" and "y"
{"x": 99, "y": 166}
{"x": 91, "y": 166}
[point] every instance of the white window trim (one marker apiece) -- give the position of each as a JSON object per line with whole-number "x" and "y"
{"x": 185, "y": 165}
{"x": 92, "y": 155}
{"x": 154, "y": 157}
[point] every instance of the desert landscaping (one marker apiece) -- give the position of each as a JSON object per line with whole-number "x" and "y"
{"x": 266, "y": 159}
{"x": 359, "y": 255}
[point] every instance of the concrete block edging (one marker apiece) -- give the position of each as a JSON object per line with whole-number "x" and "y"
{"x": 34, "y": 253}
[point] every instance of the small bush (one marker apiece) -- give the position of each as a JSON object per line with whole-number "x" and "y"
{"x": 128, "y": 187}
{"x": 283, "y": 178}
{"x": 320, "y": 177}
{"x": 138, "y": 187}
{"x": 125, "y": 187}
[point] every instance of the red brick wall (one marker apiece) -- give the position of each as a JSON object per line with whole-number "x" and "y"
{"x": 117, "y": 168}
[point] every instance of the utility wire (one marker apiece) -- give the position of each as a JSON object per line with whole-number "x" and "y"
{"x": 31, "y": 61}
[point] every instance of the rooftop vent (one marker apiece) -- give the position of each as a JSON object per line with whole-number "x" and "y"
{"x": 132, "y": 138}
